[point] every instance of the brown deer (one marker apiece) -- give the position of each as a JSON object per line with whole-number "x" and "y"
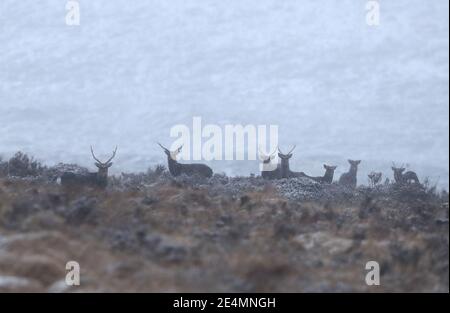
{"x": 285, "y": 171}
{"x": 177, "y": 169}
{"x": 269, "y": 170}
{"x": 404, "y": 178}
{"x": 99, "y": 179}
{"x": 349, "y": 179}
{"x": 327, "y": 178}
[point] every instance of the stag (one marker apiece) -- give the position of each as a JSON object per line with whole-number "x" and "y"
{"x": 374, "y": 178}
{"x": 284, "y": 166}
{"x": 349, "y": 179}
{"x": 404, "y": 178}
{"x": 177, "y": 169}
{"x": 269, "y": 170}
{"x": 98, "y": 179}
{"x": 327, "y": 178}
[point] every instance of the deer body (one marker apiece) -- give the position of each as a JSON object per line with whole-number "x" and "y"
{"x": 349, "y": 179}
{"x": 269, "y": 170}
{"x": 99, "y": 179}
{"x": 87, "y": 179}
{"x": 176, "y": 168}
{"x": 327, "y": 178}
{"x": 285, "y": 171}
{"x": 404, "y": 178}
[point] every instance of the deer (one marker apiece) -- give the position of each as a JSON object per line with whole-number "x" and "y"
{"x": 404, "y": 178}
{"x": 284, "y": 165}
{"x": 176, "y": 168}
{"x": 327, "y": 178}
{"x": 269, "y": 170}
{"x": 374, "y": 178}
{"x": 349, "y": 179}
{"x": 98, "y": 179}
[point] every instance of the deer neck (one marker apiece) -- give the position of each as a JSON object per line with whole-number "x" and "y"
{"x": 284, "y": 166}
{"x": 173, "y": 165}
{"x": 353, "y": 169}
{"x": 398, "y": 176}
{"x": 102, "y": 173}
{"x": 328, "y": 174}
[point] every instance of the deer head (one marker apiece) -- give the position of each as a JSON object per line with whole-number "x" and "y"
{"x": 266, "y": 161}
{"x": 285, "y": 156}
{"x": 354, "y": 162}
{"x": 329, "y": 168}
{"x": 103, "y": 166}
{"x": 398, "y": 170}
{"x": 171, "y": 154}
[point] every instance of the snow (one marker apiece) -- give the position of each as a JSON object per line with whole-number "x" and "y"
{"x": 336, "y": 87}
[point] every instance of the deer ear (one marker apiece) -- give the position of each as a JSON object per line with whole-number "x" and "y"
{"x": 109, "y": 164}
{"x": 359, "y": 161}
{"x": 98, "y": 165}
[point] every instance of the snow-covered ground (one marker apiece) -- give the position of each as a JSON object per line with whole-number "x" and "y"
{"x": 335, "y": 86}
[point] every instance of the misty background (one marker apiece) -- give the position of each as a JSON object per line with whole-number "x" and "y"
{"x": 336, "y": 87}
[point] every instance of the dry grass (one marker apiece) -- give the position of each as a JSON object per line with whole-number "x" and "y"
{"x": 168, "y": 237}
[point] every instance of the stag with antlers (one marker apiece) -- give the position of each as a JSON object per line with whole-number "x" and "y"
{"x": 98, "y": 179}
{"x": 269, "y": 170}
{"x": 176, "y": 168}
{"x": 404, "y": 178}
{"x": 284, "y": 166}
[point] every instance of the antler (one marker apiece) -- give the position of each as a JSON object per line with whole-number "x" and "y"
{"x": 292, "y": 149}
{"x": 113, "y": 156}
{"x": 162, "y": 146}
{"x": 288, "y": 152}
{"x": 110, "y": 159}
{"x": 93, "y": 155}
{"x": 262, "y": 152}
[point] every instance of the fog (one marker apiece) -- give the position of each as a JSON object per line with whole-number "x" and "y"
{"x": 335, "y": 86}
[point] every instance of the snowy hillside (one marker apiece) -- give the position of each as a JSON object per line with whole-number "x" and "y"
{"x": 336, "y": 87}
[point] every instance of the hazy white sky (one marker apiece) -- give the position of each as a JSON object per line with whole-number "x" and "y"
{"x": 335, "y": 86}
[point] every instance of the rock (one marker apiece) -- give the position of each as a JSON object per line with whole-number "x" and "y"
{"x": 334, "y": 245}
{"x": 18, "y": 284}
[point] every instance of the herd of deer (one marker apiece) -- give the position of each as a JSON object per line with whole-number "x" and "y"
{"x": 269, "y": 171}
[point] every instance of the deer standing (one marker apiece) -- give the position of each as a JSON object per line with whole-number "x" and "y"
{"x": 177, "y": 169}
{"x": 349, "y": 179}
{"x": 404, "y": 178}
{"x": 327, "y": 178}
{"x": 98, "y": 179}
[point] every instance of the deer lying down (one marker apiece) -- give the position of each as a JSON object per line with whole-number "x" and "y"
{"x": 284, "y": 166}
{"x": 269, "y": 170}
{"x": 327, "y": 178}
{"x": 177, "y": 169}
{"x": 99, "y": 179}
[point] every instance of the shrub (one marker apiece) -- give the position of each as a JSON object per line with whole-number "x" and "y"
{"x": 21, "y": 165}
